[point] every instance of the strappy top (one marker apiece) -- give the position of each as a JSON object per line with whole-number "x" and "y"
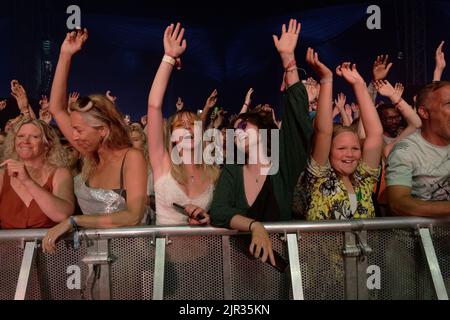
{"x": 100, "y": 201}
{"x": 14, "y": 214}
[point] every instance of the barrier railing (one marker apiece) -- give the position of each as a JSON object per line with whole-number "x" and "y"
{"x": 386, "y": 258}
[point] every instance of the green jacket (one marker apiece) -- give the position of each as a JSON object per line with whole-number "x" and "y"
{"x": 295, "y": 140}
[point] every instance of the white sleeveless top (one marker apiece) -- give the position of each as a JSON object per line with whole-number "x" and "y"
{"x": 167, "y": 192}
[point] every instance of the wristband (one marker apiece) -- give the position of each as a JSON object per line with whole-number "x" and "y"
{"x": 176, "y": 62}
{"x": 169, "y": 60}
{"x": 250, "y": 225}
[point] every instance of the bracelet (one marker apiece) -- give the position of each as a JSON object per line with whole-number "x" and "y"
{"x": 73, "y": 223}
{"x": 395, "y": 104}
{"x": 250, "y": 225}
{"x": 169, "y": 60}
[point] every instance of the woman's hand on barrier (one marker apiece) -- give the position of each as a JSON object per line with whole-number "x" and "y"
{"x": 197, "y": 215}
{"x": 261, "y": 246}
{"x": 53, "y": 234}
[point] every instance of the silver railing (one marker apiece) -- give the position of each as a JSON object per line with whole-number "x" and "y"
{"x": 386, "y": 258}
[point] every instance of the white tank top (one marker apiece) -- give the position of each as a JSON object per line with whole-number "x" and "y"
{"x": 167, "y": 192}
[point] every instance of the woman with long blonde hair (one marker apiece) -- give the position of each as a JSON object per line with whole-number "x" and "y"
{"x": 177, "y": 181}
{"x": 111, "y": 187}
{"x": 36, "y": 189}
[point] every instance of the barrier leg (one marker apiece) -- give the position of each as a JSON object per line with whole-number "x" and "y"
{"x": 29, "y": 255}
{"x": 294, "y": 266}
{"x": 433, "y": 264}
{"x": 160, "y": 262}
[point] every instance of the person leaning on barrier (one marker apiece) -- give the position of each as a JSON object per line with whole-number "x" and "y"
{"x": 36, "y": 189}
{"x": 245, "y": 196}
{"x": 418, "y": 168}
{"x": 342, "y": 173}
{"x": 111, "y": 188}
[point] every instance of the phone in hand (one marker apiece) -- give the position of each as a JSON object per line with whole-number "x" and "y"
{"x": 280, "y": 263}
{"x": 182, "y": 210}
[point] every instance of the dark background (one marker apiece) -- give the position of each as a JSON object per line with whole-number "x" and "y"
{"x": 230, "y": 46}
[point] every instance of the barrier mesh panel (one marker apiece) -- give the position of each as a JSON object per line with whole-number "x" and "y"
{"x": 194, "y": 268}
{"x": 441, "y": 242}
{"x": 253, "y": 280}
{"x": 132, "y": 269}
{"x": 404, "y": 272}
{"x": 322, "y": 266}
{"x": 10, "y": 260}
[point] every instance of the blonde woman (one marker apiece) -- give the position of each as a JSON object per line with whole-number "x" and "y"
{"x": 186, "y": 184}
{"x": 111, "y": 188}
{"x": 36, "y": 189}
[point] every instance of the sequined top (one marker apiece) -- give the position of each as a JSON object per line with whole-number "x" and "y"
{"x": 96, "y": 200}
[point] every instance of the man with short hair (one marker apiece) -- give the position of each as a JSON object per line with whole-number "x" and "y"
{"x": 418, "y": 168}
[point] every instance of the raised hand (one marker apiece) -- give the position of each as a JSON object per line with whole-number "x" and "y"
{"x": 45, "y": 116}
{"x": 349, "y": 112}
{"x": 381, "y": 67}
{"x": 174, "y": 44}
{"x": 73, "y": 97}
{"x": 2, "y": 105}
{"x": 287, "y": 42}
{"x": 350, "y": 74}
{"x": 340, "y": 101}
{"x": 440, "y": 57}
{"x": 110, "y": 97}
{"x": 313, "y": 89}
{"x": 179, "y": 104}
{"x": 312, "y": 58}
{"x": 248, "y": 97}
{"x": 74, "y": 41}
{"x": 212, "y": 100}
{"x": 144, "y": 120}
{"x": 19, "y": 93}
{"x": 44, "y": 103}
{"x": 385, "y": 88}
{"x": 399, "y": 89}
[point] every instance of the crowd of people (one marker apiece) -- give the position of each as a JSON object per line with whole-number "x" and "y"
{"x": 80, "y": 163}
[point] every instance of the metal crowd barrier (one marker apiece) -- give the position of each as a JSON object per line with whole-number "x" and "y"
{"x": 376, "y": 259}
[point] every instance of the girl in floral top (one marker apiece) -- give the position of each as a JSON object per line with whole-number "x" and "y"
{"x": 341, "y": 173}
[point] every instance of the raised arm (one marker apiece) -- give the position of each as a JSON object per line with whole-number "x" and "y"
{"x": 395, "y": 95}
{"x": 174, "y": 46}
{"x": 210, "y": 102}
{"x": 286, "y": 45}
{"x": 73, "y": 43}
{"x": 440, "y": 63}
{"x": 323, "y": 125}
{"x": 248, "y": 100}
{"x": 373, "y": 143}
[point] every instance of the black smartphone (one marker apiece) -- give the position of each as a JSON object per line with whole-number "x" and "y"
{"x": 181, "y": 209}
{"x": 280, "y": 264}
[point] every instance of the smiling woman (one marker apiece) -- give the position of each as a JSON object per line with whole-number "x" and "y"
{"x": 36, "y": 189}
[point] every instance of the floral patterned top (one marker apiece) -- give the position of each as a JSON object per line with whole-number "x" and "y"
{"x": 327, "y": 197}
